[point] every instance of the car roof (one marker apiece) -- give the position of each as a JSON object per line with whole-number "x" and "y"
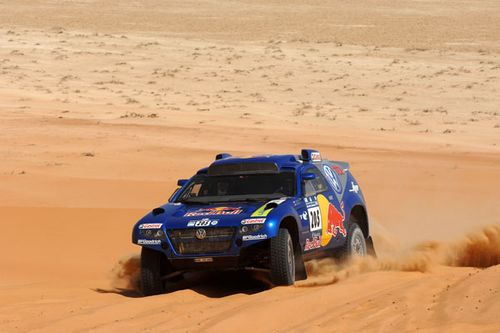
{"x": 282, "y": 162}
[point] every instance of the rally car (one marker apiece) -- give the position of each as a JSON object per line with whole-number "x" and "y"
{"x": 265, "y": 212}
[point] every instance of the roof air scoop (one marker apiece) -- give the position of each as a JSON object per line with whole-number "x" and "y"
{"x": 158, "y": 211}
{"x": 221, "y": 156}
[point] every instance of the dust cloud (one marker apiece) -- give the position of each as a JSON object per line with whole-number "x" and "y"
{"x": 478, "y": 250}
{"x": 125, "y": 275}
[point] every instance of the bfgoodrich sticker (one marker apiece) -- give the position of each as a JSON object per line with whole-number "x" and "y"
{"x": 148, "y": 241}
{"x": 254, "y": 237}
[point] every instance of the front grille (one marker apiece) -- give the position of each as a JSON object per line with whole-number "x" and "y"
{"x": 216, "y": 240}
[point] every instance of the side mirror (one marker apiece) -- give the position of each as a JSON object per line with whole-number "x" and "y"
{"x": 182, "y": 182}
{"x": 308, "y": 176}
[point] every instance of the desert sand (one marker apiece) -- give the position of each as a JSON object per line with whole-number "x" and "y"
{"x": 105, "y": 104}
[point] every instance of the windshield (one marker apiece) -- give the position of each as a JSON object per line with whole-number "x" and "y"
{"x": 253, "y": 187}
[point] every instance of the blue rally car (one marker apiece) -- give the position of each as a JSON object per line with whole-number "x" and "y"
{"x": 264, "y": 212}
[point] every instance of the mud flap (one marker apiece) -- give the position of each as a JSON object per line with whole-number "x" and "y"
{"x": 300, "y": 268}
{"x": 370, "y": 248}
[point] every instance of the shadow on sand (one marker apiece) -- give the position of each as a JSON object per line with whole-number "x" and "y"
{"x": 210, "y": 284}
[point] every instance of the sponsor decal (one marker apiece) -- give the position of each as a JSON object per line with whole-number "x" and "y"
{"x": 314, "y": 218}
{"x": 313, "y": 213}
{"x": 338, "y": 169}
{"x": 314, "y": 243}
{"x": 333, "y": 179}
{"x": 254, "y": 237}
{"x": 315, "y": 156}
{"x": 254, "y": 221}
{"x": 263, "y": 210}
{"x": 148, "y": 241}
{"x": 311, "y": 202}
{"x": 202, "y": 223}
{"x": 303, "y": 216}
{"x": 215, "y": 211}
{"x": 354, "y": 188}
{"x": 336, "y": 221}
{"x": 150, "y": 226}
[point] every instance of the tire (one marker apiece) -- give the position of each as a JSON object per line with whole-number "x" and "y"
{"x": 282, "y": 259}
{"x": 355, "y": 245}
{"x": 151, "y": 272}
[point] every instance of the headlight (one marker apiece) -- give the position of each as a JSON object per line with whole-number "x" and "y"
{"x": 246, "y": 229}
{"x": 152, "y": 233}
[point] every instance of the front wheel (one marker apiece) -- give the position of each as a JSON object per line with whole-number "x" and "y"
{"x": 282, "y": 259}
{"x": 151, "y": 272}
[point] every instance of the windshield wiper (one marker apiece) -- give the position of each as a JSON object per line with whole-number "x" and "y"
{"x": 250, "y": 200}
{"x": 222, "y": 199}
{"x": 189, "y": 202}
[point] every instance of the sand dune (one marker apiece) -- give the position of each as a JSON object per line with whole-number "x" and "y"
{"x": 104, "y": 105}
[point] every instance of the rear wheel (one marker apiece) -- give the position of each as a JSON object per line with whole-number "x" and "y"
{"x": 356, "y": 243}
{"x": 282, "y": 261}
{"x": 151, "y": 272}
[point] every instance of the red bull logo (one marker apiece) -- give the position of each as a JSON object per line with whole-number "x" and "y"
{"x": 338, "y": 169}
{"x": 336, "y": 221}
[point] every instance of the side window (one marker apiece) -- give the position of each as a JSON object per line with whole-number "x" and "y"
{"x": 308, "y": 188}
{"x": 192, "y": 191}
{"x": 316, "y": 185}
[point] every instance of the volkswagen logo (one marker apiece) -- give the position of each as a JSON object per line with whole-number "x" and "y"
{"x": 333, "y": 178}
{"x": 201, "y": 233}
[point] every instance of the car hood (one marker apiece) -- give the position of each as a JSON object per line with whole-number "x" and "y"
{"x": 175, "y": 215}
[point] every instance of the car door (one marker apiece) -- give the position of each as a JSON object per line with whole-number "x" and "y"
{"x": 310, "y": 210}
{"x": 332, "y": 206}
{"x": 323, "y": 207}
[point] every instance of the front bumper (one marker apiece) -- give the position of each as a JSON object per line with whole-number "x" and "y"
{"x": 224, "y": 241}
{"x": 201, "y": 263}
{"x": 241, "y": 255}
{"x": 253, "y": 256}
{"x": 222, "y": 247}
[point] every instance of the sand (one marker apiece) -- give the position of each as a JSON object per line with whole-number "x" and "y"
{"x": 103, "y": 106}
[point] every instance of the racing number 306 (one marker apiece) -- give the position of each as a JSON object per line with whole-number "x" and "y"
{"x": 314, "y": 218}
